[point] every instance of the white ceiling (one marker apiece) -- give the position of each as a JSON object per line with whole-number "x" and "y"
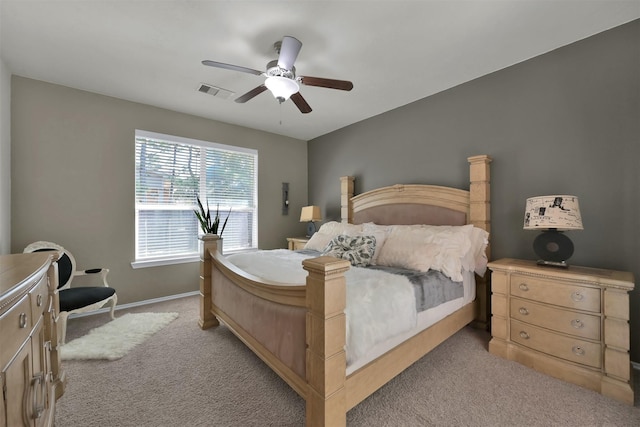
{"x": 395, "y": 52}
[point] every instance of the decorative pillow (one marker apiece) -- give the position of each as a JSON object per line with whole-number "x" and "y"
{"x": 358, "y": 250}
{"x": 328, "y": 231}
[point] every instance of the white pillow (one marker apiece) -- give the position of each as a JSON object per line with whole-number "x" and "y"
{"x": 479, "y": 242}
{"x": 329, "y": 230}
{"x": 412, "y": 254}
{"x": 318, "y": 241}
{"x": 424, "y": 247}
{"x": 380, "y": 232}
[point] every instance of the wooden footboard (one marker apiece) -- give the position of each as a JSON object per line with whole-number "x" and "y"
{"x": 319, "y": 307}
{"x": 329, "y": 393}
{"x": 322, "y": 302}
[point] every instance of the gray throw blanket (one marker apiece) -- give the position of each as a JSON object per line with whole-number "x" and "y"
{"x": 431, "y": 288}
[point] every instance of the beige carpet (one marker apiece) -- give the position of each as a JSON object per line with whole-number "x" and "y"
{"x": 183, "y": 376}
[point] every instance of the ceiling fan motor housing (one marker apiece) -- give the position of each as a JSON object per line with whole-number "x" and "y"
{"x": 274, "y": 70}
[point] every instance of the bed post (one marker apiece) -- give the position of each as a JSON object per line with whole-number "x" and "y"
{"x": 326, "y": 359}
{"x": 208, "y": 243}
{"x": 346, "y": 193}
{"x": 480, "y": 216}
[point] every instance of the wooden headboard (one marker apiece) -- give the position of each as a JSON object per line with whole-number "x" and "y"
{"x": 423, "y": 204}
{"x": 428, "y": 204}
{"x": 412, "y": 204}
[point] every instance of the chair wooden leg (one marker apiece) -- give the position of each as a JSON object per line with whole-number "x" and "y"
{"x": 114, "y": 301}
{"x": 62, "y": 324}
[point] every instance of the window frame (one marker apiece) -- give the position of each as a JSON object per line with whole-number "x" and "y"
{"x": 173, "y": 139}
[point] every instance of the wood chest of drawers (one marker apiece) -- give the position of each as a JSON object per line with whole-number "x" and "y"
{"x": 30, "y": 370}
{"x": 570, "y": 323}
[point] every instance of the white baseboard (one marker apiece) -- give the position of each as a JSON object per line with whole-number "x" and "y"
{"x": 136, "y": 304}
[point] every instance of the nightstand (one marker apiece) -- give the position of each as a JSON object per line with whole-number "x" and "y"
{"x": 297, "y": 243}
{"x": 572, "y": 324}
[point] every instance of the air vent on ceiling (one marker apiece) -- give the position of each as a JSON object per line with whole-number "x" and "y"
{"x": 215, "y": 91}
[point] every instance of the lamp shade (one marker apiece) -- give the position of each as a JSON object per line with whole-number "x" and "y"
{"x": 281, "y": 87}
{"x": 557, "y": 212}
{"x": 310, "y": 213}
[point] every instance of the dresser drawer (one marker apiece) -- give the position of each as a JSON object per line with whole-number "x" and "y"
{"x": 15, "y": 327}
{"x": 558, "y": 319}
{"x": 556, "y": 293}
{"x": 39, "y": 297}
{"x": 564, "y": 347}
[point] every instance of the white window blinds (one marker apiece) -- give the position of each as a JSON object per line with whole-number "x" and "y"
{"x": 170, "y": 173}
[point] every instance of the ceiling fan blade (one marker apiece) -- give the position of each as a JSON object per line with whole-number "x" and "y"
{"x": 328, "y": 83}
{"x": 231, "y": 67}
{"x": 300, "y": 103}
{"x": 251, "y": 94}
{"x": 289, "y": 50}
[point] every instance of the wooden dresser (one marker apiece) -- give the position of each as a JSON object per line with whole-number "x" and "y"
{"x": 571, "y": 323}
{"x": 32, "y": 377}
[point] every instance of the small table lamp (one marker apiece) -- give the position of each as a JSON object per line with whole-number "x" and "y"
{"x": 552, "y": 215}
{"x": 310, "y": 213}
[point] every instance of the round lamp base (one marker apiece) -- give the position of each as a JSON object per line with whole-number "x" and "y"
{"x": 553, "y": 248}
{"x": 311, "y": 229}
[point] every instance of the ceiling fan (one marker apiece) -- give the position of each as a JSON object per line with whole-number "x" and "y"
{"x": 281, "y": 77}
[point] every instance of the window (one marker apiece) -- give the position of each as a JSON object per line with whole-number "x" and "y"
{"x": 170, "y": 173}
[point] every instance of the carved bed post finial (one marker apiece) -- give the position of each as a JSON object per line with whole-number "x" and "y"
{"x": 346, "y": 193}
{"x": 480, "y": 216}
{"x": 207, "y": 244}
{"x": 326, "y": 362}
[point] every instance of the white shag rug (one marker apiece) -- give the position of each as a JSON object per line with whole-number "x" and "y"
{"x": 113, "y": 340}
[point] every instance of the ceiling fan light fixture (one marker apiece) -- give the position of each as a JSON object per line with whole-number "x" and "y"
{"x": 281, "y": 87}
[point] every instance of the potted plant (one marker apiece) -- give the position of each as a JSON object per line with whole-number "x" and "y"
{"x": 209, "y": 224}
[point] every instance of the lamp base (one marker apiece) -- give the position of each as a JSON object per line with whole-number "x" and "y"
{"x": 553, "y": 248}
{"x": 560, "y": 264}
{"x": 311, "y": 229}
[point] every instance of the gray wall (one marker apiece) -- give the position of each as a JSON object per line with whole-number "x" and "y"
{"x": 5, "y": 159}
{"x": 73, "y": 180}
{"x": 567, "y": 122}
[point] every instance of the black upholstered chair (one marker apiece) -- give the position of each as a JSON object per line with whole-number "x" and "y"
{"x": 77, "y": 299}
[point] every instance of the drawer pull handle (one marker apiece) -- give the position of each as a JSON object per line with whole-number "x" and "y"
{"x": 39, "y": 300}
{"x": 523, "y": 287}
{"x": 578, "y": 351}
{"x": 38, "y": 385}
{"x": 577, "y": 323}
{"x": 523, "y": 311}
{"x": 577, "y": 296}
{"x": 524, "y": 335}
{"x": 22, "y": 320}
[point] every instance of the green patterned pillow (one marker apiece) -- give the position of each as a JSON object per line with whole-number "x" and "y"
{"x": 358, "y": 250}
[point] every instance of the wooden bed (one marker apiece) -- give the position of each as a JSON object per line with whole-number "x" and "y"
{"x": 314, "y": 314}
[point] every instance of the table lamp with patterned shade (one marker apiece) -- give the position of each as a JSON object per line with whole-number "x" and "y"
{"x": 552, "y": 215}
{"x": 310, "y": 214}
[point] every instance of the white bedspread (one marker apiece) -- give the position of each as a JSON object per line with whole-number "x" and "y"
{"x": 380, "y": 305}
